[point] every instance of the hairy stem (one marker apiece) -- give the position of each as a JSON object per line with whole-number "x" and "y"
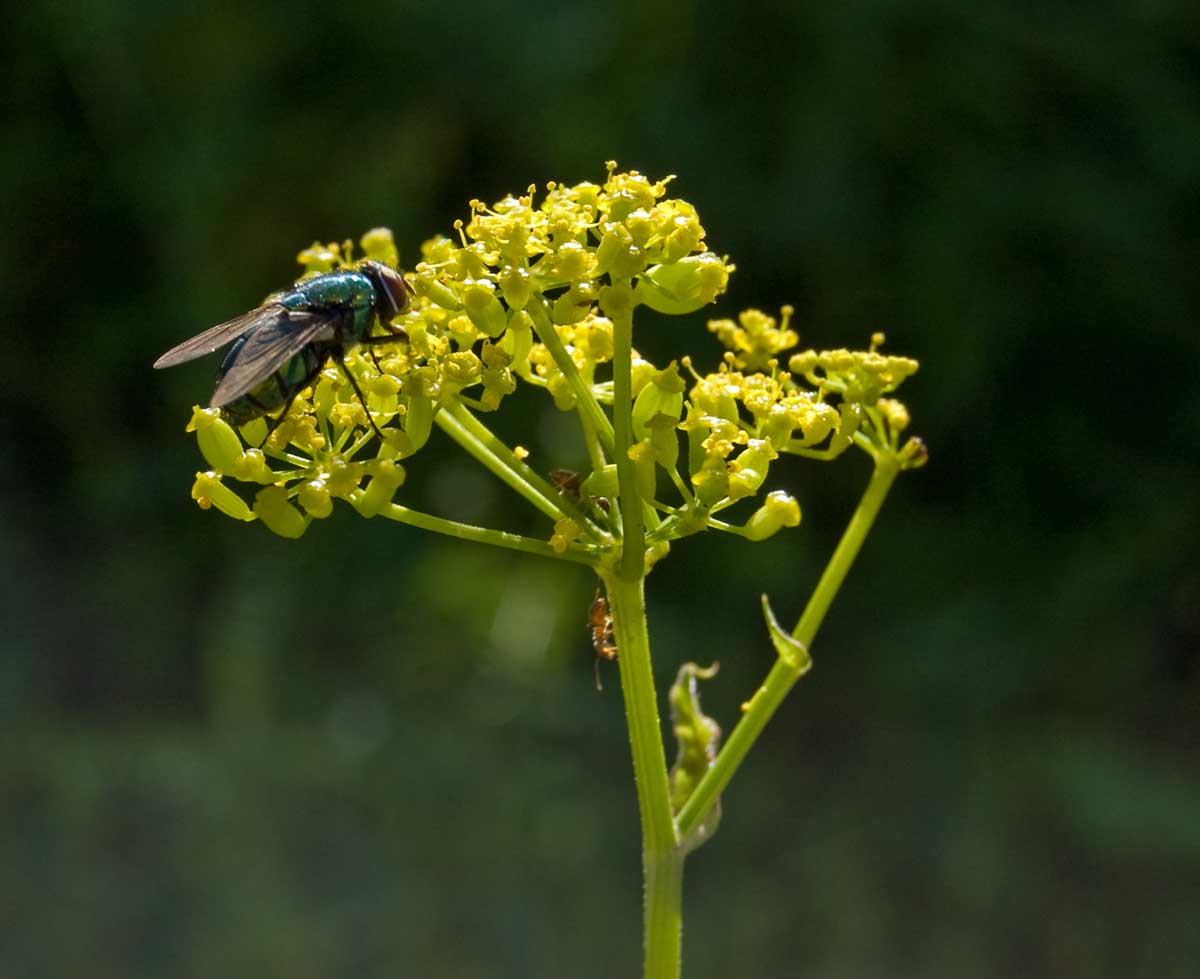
{"x": 662, "y": 863}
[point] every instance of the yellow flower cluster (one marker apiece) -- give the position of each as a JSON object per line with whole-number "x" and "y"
{"x": 570, "y": 262}
{"x": 742, "y": 416}
{"x": 535, "y": 288}
{"x": 567, "y": 263}
{"x": 755, "y": 339}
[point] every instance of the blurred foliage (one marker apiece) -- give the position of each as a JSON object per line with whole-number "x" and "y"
{"x": 223, "y": 759}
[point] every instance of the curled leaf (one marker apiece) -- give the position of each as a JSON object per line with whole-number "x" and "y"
{"x": 790, "y": 649}
{"x": 698, "y": 737}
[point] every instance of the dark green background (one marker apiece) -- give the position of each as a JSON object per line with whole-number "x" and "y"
{"x": 374, "y": 753}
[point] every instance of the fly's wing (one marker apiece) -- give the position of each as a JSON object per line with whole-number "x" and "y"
{"x": 269, "y": 347}
{"x": 217, "y": 336}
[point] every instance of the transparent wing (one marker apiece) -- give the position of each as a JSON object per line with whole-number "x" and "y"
{"x": 269, "y": 347}
{"x": 217, "y": 336}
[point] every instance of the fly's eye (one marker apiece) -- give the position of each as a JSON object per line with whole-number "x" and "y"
{"x": 397, "y": 289}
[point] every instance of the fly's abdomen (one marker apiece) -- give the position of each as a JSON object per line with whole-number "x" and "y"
{"x": 276, "y": 390}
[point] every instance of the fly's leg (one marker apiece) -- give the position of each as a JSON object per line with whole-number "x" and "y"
{"x": 274, "y": 423}
{"x": 372, "y": 342}
{"x": 340, "y": 357}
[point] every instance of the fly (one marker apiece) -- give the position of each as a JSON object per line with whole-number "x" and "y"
{"x": 280, "y": 346}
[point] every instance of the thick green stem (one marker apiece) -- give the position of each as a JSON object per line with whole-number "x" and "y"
{"x": 633, "y": 527}
{"x": 784, "y": 673}
{"x": 662, "y": 863}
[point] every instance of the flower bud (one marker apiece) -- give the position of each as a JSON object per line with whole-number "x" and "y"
{"x": 427, "y": 284}
{"x": 895, "y": 412}
{"x": 462, "y": 369}
{"x": 574, "y": 304}
{"x": 209, "y": 491}
{"x": 515, "y": 286}
{"x": 662, "y": 396}
{"x": 273, "y": 509}
{"x": 803, "y": 363}
{"x": 484, "y": 308}
{"x": 711, "y": 483}
{"x": 219, "y": 443}
{"x": 683, "y": 286}
{"x": 253, "y": 468}
{"x": 665, "y": 439}
{"x": 314, "y": 497}
{"x": 780, "y": 510}
{"x": 418, "y": 421}
{"x": 379, "y": 246}
{"x": 565, "y": 531}
{"x": 618, "y": 255}
{"x": 573, "y": 262}
{"x": 386, "y": 477}
{"x": 749, "y": 470}
{"x": 914, "y": 454}
{"x": 437, "y": 250}
{"x": 318, "y": 258}
{"x": 518, "y": 340}
{"x": 381, "y": 391}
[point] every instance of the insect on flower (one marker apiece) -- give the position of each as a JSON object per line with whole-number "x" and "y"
{"x": 600, "y": 624}
{"x": 280, "y": 346}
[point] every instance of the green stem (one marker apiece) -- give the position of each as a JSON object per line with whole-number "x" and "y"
{"x": 513, "y": 471}
{"x": 783, "y": 674}
{"x": 662, "y": 863}
{"x": 585, "y": 400}
{"x": 592, "y": 441}
{"x": 886, "y": 469}
{"x": 498, "y": 466}
{"x": 483, "y": 535}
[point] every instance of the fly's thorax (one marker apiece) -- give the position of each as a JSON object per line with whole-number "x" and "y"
{"x": 348, "y": 290}
{"x": 332, "y": 289}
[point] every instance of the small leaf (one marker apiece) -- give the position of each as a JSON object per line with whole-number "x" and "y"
{"x": 790, "y": 649}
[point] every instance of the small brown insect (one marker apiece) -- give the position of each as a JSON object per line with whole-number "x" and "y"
{"x": 567, "y": 482}
{"x": 600, "y": 623}
{"x": 570, "y": 483}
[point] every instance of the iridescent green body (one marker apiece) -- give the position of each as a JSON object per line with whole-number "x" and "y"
{"x": 280, "y": 346}
{"x": 337, "y": 292}
{"x": 277, "y": 389}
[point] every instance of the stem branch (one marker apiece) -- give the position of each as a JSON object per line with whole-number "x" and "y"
{"x": 783, "y": 674}
{"x": 585, "y": 400}
{"x": 477, "y": 439}
{"x": 483, "y": 535}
